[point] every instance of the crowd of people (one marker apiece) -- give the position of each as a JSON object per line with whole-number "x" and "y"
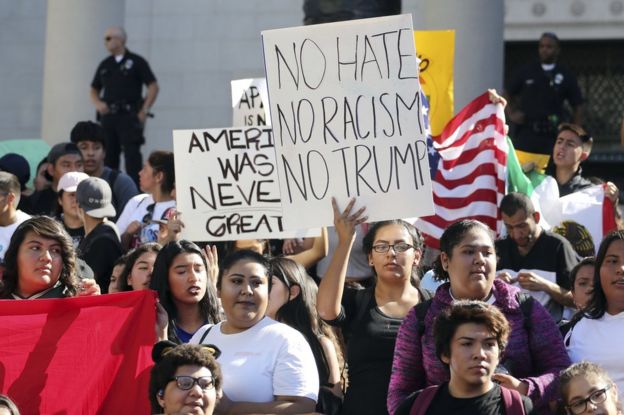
{"x": 337, "y": 324}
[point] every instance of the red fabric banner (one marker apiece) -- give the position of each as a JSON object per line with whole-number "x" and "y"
{"x": 84, "y": 355}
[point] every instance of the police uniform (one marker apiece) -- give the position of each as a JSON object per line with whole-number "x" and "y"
{"x": 542, "y": 94}
{"x": 120, "y": 86}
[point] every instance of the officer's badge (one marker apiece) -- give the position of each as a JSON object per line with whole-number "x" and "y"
{"x": 129, "y": 64}
{"x": 558, "y": 78}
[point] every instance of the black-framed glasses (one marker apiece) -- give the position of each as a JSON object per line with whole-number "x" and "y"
{"x": 596, "y": 397}
{"x": 186, "y": 382}
{"x": 150, "y": 211}
{"x": 383, "y": 247}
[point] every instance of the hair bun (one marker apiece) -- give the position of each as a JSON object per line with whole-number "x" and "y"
{"x": 161, "y": 348}
{"x": 212, "y": 349}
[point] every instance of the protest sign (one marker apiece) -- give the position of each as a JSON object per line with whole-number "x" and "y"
{"x": 227, "y": 186}
{"x": 436, "y": 50}
{"x": 84, "y": 355}
{"x": 347, "y": 119}
{"x": 250, "y": 103}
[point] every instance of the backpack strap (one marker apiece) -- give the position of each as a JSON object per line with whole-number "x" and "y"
{"x": 423, "y": 400}
{"x": 512, "y": 400}
{"x": 421, "y": 312}
{"x": 526, "y": 307}
{"x": 201, "y": 340}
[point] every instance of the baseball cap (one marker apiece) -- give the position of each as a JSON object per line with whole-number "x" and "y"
{"x": 17, "y": 165}
{"x": 94, "y": 195}
{"x": 61, "y": 149}
{"x": 69, "y": 181}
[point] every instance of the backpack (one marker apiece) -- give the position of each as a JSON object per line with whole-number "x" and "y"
{"x": 512, "y": 401}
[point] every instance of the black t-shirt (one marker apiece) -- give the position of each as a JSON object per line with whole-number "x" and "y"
{"x": 370, "y": 337}
{"x": 100, "y": 249}
{"x": 76, "y": 234}
{"x": 443, "y": 403}
{"x": 42, "y": 202}
{"x": 542, "y": 93}
{"x": 551, "y": 253}
{"x": 123, "y": 81}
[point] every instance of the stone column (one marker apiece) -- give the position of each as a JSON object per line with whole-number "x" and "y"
{"x": 479, "y": 42}
{"x": 74, "y": 47}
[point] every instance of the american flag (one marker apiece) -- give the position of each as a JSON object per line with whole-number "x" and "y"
{"x": 468, "y": 163}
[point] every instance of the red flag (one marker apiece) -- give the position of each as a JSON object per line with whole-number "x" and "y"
{"x": 469, "y": 181}
{"x": 83, "y": 355}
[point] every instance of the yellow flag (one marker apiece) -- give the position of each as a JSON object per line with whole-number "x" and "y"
{"x": 436, "y": 49}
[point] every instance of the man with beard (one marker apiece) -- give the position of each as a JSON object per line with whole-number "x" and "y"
{"x": 540, "y": 260}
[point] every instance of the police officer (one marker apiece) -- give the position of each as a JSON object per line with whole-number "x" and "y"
{"x": 536, "y": 97}
{"x": 116, "y": 92}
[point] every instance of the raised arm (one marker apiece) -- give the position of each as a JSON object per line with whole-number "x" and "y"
{"x": 332, "y": 284}
{"x": 313, "y": 255}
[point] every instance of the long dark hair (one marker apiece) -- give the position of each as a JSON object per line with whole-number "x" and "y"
{"x": 300, "y": 312}
{"x": 452, "y": 237}
{"x": 597, "y": 305}
{"x": 48, "y": 228}
{"x": 417, "y": 241}
{"x": 131, "y": 259}
{"x": 208, "y": 305}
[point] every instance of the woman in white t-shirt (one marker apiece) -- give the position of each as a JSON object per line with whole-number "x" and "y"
{"x": 139, "y": 221}
{"x": 596, "y": 335}
{"x": 267, "y": 366}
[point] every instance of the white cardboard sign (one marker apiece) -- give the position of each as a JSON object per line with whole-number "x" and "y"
{"x": 227, "y": 186}
{"x": 347, "y": 119}
{"x": 250, "y": 102}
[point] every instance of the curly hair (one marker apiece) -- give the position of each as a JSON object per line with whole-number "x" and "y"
{"x": 174, "y": 357}
{"x": 48, "y": 228}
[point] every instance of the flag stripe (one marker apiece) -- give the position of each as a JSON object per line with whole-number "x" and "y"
{"x": 470, "y": 178}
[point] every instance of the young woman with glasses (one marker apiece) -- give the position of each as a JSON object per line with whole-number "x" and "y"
{"x": 467, "y": 264}
{"x": 186, "y": 379}
{"x": 370, "y": 318}
{"x": 586, "y": 388}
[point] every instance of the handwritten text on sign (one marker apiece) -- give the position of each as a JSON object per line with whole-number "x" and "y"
{"x": 226, "y": 183}
{"x": 249, "y": 102}
{"x": 347, "y": 120}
